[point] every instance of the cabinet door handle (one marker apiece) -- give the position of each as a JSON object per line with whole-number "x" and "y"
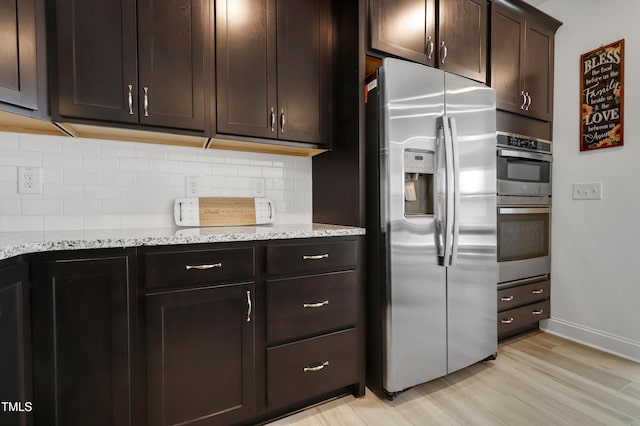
{"x": 430, "y": 47}
{"x": 146, "y": 101}
{"x": 316, "y": 256}
{"x": 537, "y": 291}
{"x": 248, "y": 306}
{"x": 506, "y": 320}
{"x": 273, "y": 120}
{"x": 315, "y": 305}
{"x": 204, "y": 267}
{"x": 316, "y": 367}
{"x": 443, "y": 52}
{"x": 524, "y": 99}
{"x": 130, "y": 98}
{"x": 282, "y": 120}
{"x": 506, "y": 298}
{"x": 526, "y": 108}
{"x": 538, "y": 312}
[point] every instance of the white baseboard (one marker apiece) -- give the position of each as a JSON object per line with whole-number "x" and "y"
{"x": 607, "y": 342}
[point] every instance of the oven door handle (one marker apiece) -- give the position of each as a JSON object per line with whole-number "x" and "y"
{"x": 528, "y": 155}
{"x": 523, "y": 210}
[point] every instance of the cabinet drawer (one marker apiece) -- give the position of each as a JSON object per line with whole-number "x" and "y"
{"x": 311, "y": 367}
{"x": 512, "y": 321}
{"x": 177, "y": 268}
{"x": 311, "y": 305}
{"x": 311, "y": 258}
{"x": 512, "y": 297}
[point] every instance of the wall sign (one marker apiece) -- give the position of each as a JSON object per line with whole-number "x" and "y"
{"x": 602, "y": 96}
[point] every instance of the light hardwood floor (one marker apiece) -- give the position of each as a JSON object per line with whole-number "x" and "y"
{"x": 538, "y": 379}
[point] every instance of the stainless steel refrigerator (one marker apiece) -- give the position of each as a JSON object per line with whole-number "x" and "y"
{"x": 431, "y": 225}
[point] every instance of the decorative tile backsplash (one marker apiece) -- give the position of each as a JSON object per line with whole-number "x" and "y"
{"x": 97, "y": 184}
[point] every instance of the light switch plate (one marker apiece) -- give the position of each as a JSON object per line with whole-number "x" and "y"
{"x": 587, "y": 191}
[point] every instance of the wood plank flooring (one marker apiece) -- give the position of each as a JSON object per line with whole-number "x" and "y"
{"x": 538, "y": 379}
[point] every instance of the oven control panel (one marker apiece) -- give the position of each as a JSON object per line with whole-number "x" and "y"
{"x": 523, "y": 142}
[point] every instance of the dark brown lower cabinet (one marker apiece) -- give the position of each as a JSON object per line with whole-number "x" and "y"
{"x": 522, "y": 306}
{"x": 15, "y": 346}
{"x": 200, "y": 356}
{"x": 84, "y": 344}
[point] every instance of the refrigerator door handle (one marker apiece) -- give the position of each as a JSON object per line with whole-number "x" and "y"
{"x": 449, "y": 196}
{"x": 440, "y": 185}
{"x": 456, "y": 191}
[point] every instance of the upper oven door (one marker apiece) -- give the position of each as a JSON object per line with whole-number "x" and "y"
{"x": 523, "y": 173}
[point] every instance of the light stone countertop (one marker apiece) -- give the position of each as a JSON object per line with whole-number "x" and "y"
{"x": 17, "y": 243}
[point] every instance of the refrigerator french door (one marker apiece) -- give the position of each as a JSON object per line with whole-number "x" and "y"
{"x": 431, "y": 225}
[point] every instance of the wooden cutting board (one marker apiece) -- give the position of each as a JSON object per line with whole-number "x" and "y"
{"x": 223, "y": 211}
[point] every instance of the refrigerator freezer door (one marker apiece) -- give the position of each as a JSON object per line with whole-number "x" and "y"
{"x": 415, "y": 346}
{"x": 471, "y": 280}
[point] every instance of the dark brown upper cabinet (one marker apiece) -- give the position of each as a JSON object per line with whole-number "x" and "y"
{"x": 273, "y": 69}
{"x": 132, "y": 62}
{"x": 449, "y": 34}
{"x": 522, "y": 41}
{"x": 18, "y": 76}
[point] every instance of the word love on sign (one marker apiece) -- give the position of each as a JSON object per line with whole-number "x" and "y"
{"x": 601, "y": 88}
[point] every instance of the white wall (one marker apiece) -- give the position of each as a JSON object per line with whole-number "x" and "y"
{"x": 94, "y": 184}
{"x": 595, "y": 244}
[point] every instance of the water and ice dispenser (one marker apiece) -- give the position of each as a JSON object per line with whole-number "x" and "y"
{"x": 419, "y": 167}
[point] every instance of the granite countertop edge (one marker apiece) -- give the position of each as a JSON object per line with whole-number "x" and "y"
{"x": 14, "y": 244}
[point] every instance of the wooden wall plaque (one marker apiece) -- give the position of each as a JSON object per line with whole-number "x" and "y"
{"x": 602, "y": 97}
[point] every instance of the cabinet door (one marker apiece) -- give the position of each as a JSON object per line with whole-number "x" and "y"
{"x": 507, "y": 57}
{"x": 538, "y": 74}
{"x": 246, "y": 68}
{"x": 18, "y": 68}
{"x": 15, "y": 341}
{"x": 96, "y": 59}
{"x": 171, "y": 48}
{"x": 462, "y": 38}
{"x": 304, "y": 68}
{"x": 82, "y": 341}
{"x": 405, "y": 28}
{"x": 200, "y": 356}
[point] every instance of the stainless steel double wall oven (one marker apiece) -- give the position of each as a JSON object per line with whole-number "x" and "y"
{"x": 524, "y": 208}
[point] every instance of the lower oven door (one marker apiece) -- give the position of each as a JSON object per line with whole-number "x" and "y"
{"x": 523, "y": 242}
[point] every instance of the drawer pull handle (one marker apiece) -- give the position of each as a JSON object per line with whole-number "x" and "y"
{"x": 538, "y": 312}
{"x": 316, "y": 368}
{"x": 204, "y": 267}
{"x": 316, "y": 256}
{"x": 537, "y": 291}
{"x": 506, "y": 298}
{"x": 248, "y": 306}
{"x": 506, "y": 320}
{"x": 315, "y": 305}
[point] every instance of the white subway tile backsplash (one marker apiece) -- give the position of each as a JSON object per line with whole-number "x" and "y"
{"x": 136, "y": 164}
{"x": 9, "y": 207}
{"x": 58, "y": 191}
{"x": 101, "y": 192}
{"x": 119, "y": 178}
{"x": 63, "y": 223}
{"x": 81, "y": 177}
{"x": 8, "y": 174}
{"x": 80, "y": 146}
{"x": 20, "y": 158}
{"x": 40, "y": 143}
{"x": 100, "y": 162}
{"x": 21, "y": 223}
{"x": 62, "y": 160}
{"x": 41, "y": 207}
{"x": 9, "y": 141}
{"x": 152, "y": 179}
{"x": 94, "y": 184}
{"x": 82, "y": 207}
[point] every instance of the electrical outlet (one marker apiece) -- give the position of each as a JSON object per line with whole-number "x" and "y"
{"x": 258, "y": 187}
{"x": 29, "y": 180}
{"x": 587, "y": 191}
{"x": 192, "y": 186}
